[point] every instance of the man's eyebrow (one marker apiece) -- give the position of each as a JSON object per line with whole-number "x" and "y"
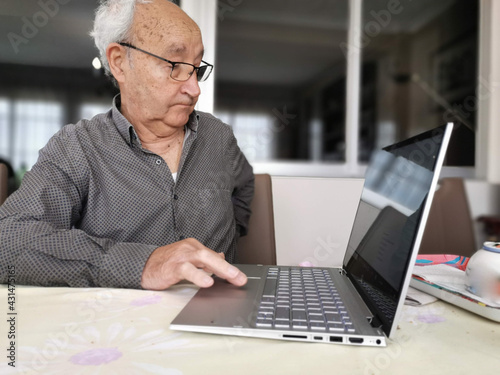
{"x": 177, "y": 49}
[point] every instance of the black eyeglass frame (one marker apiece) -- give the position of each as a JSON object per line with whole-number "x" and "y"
{"x": 197, "y": 68}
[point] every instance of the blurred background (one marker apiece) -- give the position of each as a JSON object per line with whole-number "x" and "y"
{"x": 284, "y": 71}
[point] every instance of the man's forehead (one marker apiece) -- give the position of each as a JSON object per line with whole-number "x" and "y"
{"x": 152, "y": 21}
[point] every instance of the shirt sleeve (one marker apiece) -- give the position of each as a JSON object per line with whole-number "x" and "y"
{"x": 39, "y": 235}
{"x": 244, "y": 185}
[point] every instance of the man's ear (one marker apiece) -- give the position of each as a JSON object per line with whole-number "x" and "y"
{"x": 116, "y": 59}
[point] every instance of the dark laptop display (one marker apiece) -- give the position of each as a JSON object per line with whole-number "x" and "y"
{"x": 396, "y": 188}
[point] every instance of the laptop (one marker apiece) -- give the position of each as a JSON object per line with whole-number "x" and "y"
{"x": 358, "y": 304}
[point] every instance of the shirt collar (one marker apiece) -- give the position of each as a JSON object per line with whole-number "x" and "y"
{"x": 126, "y": 129}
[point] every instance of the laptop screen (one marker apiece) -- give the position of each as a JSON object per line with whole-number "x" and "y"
{"x": 380, "y": 247}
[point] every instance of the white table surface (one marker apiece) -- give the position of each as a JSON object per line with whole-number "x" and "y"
{"x": 121, "y": 331}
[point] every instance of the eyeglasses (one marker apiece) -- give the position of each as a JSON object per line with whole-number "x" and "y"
{"x": 181, "y": 71}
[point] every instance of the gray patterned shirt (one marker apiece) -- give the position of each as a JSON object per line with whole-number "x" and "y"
{"x": 96, "y": 204}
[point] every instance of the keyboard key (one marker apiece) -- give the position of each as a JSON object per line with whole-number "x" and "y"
{"x": 314, "y": 309}
{"x": 299, "y": 324}
{"x": 333, "y": 318}
{"x": 336, "y": 327}
{"x": 264, "y": 306}
{"x": 318, "y": 326}
{"x": 299, "y": 315}
{"x": 316, "y": 318}
{"x": 264, "y": 313}
{"x": 282, "y": 313}
{"x": 267, "y": 300}
{"x": 269, "y": 288}
{"x": 330, "y": 310}
{"x": 264, "y": 323}
{"x": 282, "y": 324}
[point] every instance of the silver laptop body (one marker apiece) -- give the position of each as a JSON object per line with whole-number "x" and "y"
{"x": 358, "y": 304}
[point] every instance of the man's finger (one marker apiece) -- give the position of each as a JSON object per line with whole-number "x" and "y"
{"x": 195, "y": 275}
{"x": 221, "y": 268}
{"x": 231, "y": 274}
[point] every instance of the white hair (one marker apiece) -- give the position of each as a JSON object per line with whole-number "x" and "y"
{"x": 113, "y": 22}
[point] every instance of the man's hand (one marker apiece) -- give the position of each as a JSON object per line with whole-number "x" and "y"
{"x": 186, "y": 260}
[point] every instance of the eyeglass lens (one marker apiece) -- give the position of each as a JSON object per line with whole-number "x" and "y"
{"x": 182, "y": 72}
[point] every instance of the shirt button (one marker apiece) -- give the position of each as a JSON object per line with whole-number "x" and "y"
{"x": 158, "y": 161}
{"x": 176, "y": 197}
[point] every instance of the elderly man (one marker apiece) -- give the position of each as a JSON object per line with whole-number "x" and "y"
{"x": 148, "y": 194}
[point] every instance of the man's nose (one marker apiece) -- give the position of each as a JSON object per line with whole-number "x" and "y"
{"x": 191, "y": 86}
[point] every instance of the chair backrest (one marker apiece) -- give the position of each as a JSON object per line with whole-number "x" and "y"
{"x": 4, "y": 186}
{"x": 258, "y": 246}
{"x": 449, "y": 228}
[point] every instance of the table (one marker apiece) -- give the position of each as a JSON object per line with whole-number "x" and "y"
{"x": 123, "y": 331}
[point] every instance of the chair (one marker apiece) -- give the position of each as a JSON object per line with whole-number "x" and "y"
{"x": 449, "y": 228}
{"x": 4, "y": 186}
{"x": 258, "y": 246}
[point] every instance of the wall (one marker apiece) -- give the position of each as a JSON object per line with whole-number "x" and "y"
{"x": 313, "y": 216}
{"x": 484, "y": 199}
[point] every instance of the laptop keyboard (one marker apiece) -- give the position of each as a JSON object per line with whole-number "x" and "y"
{"x": 302, "y": 298}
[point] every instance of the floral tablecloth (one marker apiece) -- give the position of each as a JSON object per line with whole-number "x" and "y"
{"x": 72, "y": 331}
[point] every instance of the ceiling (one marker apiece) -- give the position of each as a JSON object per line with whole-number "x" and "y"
{"x": 61, "y": 39}
{"x": 267, "y": 33}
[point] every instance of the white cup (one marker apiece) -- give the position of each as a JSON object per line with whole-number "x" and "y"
{"x": 482, "y": 276}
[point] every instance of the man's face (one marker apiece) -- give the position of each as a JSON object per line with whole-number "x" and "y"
{"x": 150, "y": 95}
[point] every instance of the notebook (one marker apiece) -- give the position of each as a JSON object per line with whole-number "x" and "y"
{"x": 358, "y": 304}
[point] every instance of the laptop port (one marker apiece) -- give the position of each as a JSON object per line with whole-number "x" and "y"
{"x": 336, "y": 339}
{"x": 294, "y": 337}
{"x": 319, "y": 338}
{"x": 356, "y": 340}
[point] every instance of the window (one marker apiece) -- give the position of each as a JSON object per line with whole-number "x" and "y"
{"x": 254, "y": 132}
{"x": 417, "y": 62}
{"x": 35, "y": 123}
{"x": 89, "y": 110}
{"x": 419, "y": 70}
{"x": 280, "y": 59}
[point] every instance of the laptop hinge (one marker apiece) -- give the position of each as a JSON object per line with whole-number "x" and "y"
{"x": 374, "y": 321}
